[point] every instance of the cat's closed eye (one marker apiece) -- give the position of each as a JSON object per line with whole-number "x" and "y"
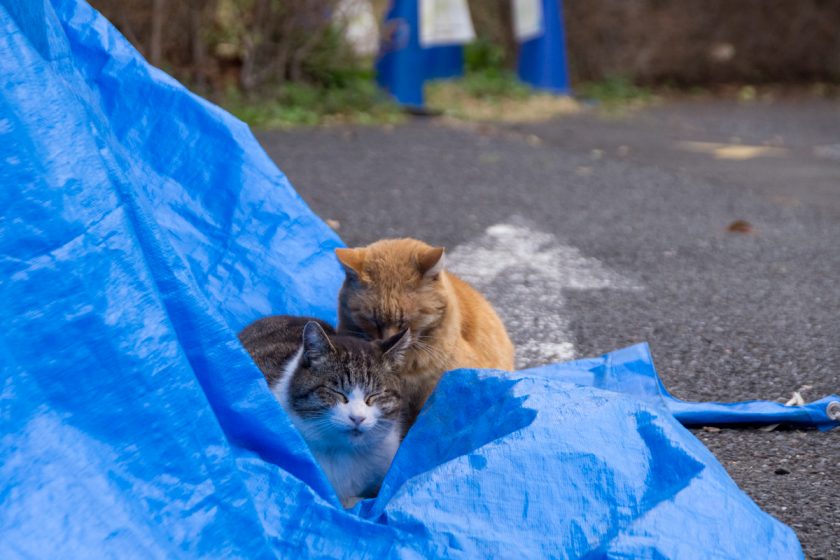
{"x": 378, "y": 325}
{"x": 384, "y": 328}
{"x": 371, "y": 326}
{"x": 330, "y": 395}
{"x": 385, "y": 399}
{"x": 373, "y": 397}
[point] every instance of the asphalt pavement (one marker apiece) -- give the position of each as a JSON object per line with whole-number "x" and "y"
{"x": 709, "y": 229}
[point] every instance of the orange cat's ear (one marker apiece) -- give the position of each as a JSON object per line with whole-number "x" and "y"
{"x": 351, "y": 259}
{"x": 430, "y": 262}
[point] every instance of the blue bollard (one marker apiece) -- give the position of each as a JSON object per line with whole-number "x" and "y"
{"x": 444, "y": 62}
{"x": 401, "y": 60}
{"x": 403, "y": 64}
{"x": 542, "y": 60}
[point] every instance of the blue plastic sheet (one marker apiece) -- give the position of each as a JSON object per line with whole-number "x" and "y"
{"x": 644, "y": 384}
{"x": 142, "y": 227}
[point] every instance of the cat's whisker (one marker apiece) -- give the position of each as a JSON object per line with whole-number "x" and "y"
{"x": 432, "y": 352}
{"x": 424, "y": 347}
{"x": 422, "y": 340}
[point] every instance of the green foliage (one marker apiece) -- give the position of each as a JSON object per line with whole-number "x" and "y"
{"x": 485, "y": 74}
{"x": 495, "y": 84}
{"x": 483, "y": 55}
{"x": 615, "y": 91}
{"x": 358, "y": 101}
{"x": 333, "y": 64}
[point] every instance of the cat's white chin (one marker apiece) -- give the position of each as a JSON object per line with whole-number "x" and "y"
{"x": 357, "y": 467}
{"x": 361, "y": 439}
{"x": 341, "y": 439}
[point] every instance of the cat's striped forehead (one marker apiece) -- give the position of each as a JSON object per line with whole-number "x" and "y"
{"x": 355, "y": 367}
{"x": 354, "y": 363}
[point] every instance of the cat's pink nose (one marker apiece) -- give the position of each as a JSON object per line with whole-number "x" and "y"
{"x": 357, "y": 419}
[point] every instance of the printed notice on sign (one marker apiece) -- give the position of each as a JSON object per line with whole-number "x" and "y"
{"x": 527, "y": 19}
{"x": 445, "y": 22}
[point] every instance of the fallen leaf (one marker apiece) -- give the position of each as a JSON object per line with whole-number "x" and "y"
{"x": 740, "y": 226}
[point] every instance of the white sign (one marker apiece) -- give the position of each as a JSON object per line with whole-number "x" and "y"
{"x": 445, "y": 22}
{"x": 525, "y": 272}
{"x": 527, "y": 19}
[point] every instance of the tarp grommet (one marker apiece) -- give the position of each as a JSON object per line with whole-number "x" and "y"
{"x": 833, "y": 410}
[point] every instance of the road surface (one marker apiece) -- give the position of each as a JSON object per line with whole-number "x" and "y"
{"x": 709, "y": 229}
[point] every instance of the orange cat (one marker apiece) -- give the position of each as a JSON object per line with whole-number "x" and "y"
{"x": 395, "y": 284}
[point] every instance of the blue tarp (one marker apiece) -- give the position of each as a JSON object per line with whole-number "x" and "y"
{"x": 141, "y": 228}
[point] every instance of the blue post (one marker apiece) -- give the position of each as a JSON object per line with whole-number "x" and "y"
{"x": 542, "y": 60}
{"x": 403, "y": 64}
{"x": 444, "y": 62}
{"x": 399, "y": 68}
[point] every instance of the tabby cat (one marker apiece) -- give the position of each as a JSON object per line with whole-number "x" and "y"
{"x": 342, "y": 393}
{"x": 395, "y": 284}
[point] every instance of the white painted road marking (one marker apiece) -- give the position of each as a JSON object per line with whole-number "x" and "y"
{"x": 524, "y": 271}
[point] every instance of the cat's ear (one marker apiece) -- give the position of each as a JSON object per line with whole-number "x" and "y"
{"x": 394, "y": 348}
{"x": 316, "y": 344}
{"x": 430, "y": 263}
{"x": 351, "y": 259}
